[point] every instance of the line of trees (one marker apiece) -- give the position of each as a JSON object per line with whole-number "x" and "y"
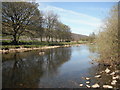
{"x": 108, "y": 39}
{"x": 25, "y": 19}
{"x": 92, "y": 37}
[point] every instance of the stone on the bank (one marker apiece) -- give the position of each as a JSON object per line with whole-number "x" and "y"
{"x": 41, "y": 53}
{"x": 113, "y": 82}
{"x": 117, "y": 71}
{"x": 87, "y": 86}
{"x": 107, "y": 86}
{"x": 21, "y": 84}
{"x": 102, "y": 72}
{"x": 87, "y": 78}
{"x": 87, "y": 82}
{"x": 98, "y": 76}
{"x": 95, "y": 86}
{"x": 107, "y": 70}
{"x": 81, "y": 85}
{"x": 117, "y": 77}
{"x": 113, "y": 73}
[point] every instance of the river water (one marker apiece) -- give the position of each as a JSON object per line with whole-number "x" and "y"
{"x": 62, "y": 67}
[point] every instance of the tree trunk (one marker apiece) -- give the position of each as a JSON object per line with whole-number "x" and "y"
{"x": 41, "y": 38}
{"x": 48, "y": 38}
{"x": 52, "y": 39}
{"x": 15, "y": 41}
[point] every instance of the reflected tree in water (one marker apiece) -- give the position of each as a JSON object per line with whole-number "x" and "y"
{"x": 56, "y": 57}
{"x": 24, "y": 72}
{"x": 26, "y": 69}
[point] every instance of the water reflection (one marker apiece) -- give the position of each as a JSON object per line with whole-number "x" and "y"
{"x": 60, "y": 67}
{"x": 26, "y": 69}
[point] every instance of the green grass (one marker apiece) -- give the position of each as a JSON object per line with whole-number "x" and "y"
{"x": 36, "y": 44}
{"x": 19, "y": 46}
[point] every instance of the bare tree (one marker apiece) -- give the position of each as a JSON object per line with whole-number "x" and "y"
{"x": 38, "y": 26}
{"x": 50, "y": 21}
{"x": 17, "y": 17}
{"x": 108, "y": 39}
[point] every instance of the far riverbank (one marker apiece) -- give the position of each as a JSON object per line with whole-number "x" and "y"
{"x": 23, "y": 48}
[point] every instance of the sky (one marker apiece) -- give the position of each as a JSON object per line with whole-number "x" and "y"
{"x": 82, "y": 17}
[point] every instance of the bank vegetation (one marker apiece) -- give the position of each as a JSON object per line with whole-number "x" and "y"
{"x": 25, "y": 19}
{"x": 108, "y": 39}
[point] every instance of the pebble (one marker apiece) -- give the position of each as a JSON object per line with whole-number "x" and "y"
{"x": 113, "y": 73}
{"x": 117, "y": 71}
{"x": 41, "y": 53}
{"x": 98, "y": 76}
{"x": 81, "y": 85}
{"x": 107, "y": 70}
{"x": 95, "y": 86}
{"x": 107, "y": 86}
{"x": 21, "y": 84}
{"x": 113, "y": 82}
{"x": 102, "y": 72}
{"x": 87, "y": 78}
{"x": 87, "y": 86}
{"x": 87, "y": 82}
{"x": 117, "y": 77}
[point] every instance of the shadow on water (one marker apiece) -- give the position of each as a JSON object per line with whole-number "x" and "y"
{"x": 59, "y": 67}
{"x": 25, "y": 69}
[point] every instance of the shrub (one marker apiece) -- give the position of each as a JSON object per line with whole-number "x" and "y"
{"x": 108, "y": 39}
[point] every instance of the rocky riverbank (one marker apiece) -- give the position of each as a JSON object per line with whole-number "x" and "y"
{"x": 27, "y": 49}
{"x": 103, "y": 75}
{"x": 21, "y": 49}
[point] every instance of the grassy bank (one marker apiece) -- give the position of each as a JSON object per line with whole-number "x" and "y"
{"x": 6, "y": 45}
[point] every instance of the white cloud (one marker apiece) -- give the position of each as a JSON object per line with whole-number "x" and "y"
{"x": 77, "y": 0}
{"x": 47, "y": 8}
{"x": 78, "y": 22}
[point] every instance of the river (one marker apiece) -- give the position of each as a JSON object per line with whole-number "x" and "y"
{"x": 62, "y": 67}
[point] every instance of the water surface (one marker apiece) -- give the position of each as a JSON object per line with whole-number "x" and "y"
{"x": 60, "y": 67}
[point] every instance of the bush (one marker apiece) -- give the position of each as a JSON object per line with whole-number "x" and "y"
{"x": 108, "y": 39}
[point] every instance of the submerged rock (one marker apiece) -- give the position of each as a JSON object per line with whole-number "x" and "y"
{"x": 81, "y": 85}
{"x": 88, "y": 86}
{"x": 41, "y": 53}
{"x": 107, "y": 86}
{"x": 95, "y": 86}
{"x": 107, "y": 70}
{"x": 98, "y": 76}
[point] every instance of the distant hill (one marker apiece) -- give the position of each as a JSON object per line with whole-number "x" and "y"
{"x": 77, "y": 37}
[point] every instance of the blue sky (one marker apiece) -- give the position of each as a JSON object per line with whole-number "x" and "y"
{"x": 82, "y": 17}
